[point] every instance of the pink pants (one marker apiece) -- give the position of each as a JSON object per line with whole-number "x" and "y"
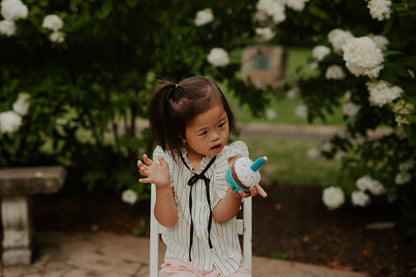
{"x": 177, "y": 268}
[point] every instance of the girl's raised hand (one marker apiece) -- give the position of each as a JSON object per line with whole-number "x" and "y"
{"x": 155, "y": 173}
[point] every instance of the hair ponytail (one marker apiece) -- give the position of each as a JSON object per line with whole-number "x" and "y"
{"x": 161, "y": 113}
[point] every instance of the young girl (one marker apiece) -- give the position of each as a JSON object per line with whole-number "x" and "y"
{"x": 191, "y": 122}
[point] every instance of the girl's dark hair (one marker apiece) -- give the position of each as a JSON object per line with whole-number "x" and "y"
{"x": 173, "y": 106}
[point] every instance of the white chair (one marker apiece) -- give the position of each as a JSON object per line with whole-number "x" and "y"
{"x": 244, "y": 228}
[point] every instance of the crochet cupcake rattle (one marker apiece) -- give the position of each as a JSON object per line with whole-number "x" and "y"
{"x": 243, "y": 173}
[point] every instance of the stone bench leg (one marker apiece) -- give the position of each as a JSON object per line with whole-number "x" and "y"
{"x": 15, "y": 213}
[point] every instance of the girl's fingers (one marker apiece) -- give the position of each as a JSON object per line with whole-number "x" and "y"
{"x": 145, "y": 180}
{"x": 143, "y": 171}
{"x": 261, "y": 191}
{"x": 253, "y": 191}
{"x": 162, "y": 160}
{"x": 142, "y": 168}
{"x": 140, "y": 165}
{"x": 244, "y": 194}
{"x": 147, "y": 160}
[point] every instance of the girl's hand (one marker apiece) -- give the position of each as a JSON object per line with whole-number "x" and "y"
{"x": 257, "y": 189}
{"x": 157, "y": 174}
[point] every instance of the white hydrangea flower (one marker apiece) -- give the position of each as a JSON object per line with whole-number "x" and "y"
{"x": 402, "y": 178}
{"x": 218, "y": 57}
{"x": 270, "y": 8}
{"x": 204, "y": 17}
{"x": 314, "y": 68}
{"x": 293, "y": 93}
{"x": 337, "y": 38}
{"x": 326, "y": 146}
{"x": 265, "y": 34}
{"x": 7, "y": 28}
{"x": 270, "y": 114}
{"x": 362, "y": 57}
{"x": 376, "y": 188}
{"x": 381, "y": 42}
{"x": 10, "y": 122}
{"x": 347, "y": 95}
{"x": 265, "y": 5}
{"x": 57, "y": 37}
{"x": 13, "y": 10}
{"x": 21, "y": 106}
{"x": 319, "y": 52}
{"x": 314, "y": 153}
{"x": 382, "y": 92}
{"x": 129, "y": 196}
{"x": 261, "y": 16}
{"x": 403, "y": 107}
{"x": 351, "y": 109}
{"x": 279, "y": 14}
{"x": 362, "y": 183}
{"x": 359, "y": 198}
{"x": 340, "y": 155}
{"x": 301, "y": 111}
{"x": 333, "y": 197}
{"x": 367, "y": 183}
{"x": 401, "y": 120}
{"x": 342, "y": 132}
{"x": 297, "y": 5}
{"x": 334, "y": 72}
{"x": 407, "y": 165}
{"x": 53, "y": 22}
{"x": 357, "y": 70}
{"x": 379, "y": 9}
{"x": 400, "y": 133}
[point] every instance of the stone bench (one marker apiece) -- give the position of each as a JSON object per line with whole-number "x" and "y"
{"x": 16, "y": 187}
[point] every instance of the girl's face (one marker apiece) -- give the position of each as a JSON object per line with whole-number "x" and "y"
{"x": 208, "y": 133}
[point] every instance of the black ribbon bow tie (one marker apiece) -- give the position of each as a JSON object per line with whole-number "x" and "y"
{"x": 191, "y": 182}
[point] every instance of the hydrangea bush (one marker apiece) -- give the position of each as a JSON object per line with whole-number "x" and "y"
{"x": 363, "y": 61}
{"x": 75, "y": 77}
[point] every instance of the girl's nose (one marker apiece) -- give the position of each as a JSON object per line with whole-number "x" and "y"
{"x": 215, "y": 136}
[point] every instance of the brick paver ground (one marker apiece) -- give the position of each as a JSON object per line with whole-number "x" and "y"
{"x": 109, "y": 255}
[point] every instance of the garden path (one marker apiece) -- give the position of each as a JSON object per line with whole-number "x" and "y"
{"x": 286, "y": 131}
{"x": 112, "y": 255}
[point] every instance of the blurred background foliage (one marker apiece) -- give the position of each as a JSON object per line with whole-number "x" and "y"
{"x": 89, "y": 94}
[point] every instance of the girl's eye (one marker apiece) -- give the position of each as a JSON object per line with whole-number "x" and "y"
{"x": 222, "y": 124}
{"x": 203, "y": 133}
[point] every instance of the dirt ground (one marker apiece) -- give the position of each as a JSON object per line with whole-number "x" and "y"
{"x": 291, "y": 223}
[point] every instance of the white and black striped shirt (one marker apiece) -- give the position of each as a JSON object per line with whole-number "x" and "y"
{"x": 226, "y": 251}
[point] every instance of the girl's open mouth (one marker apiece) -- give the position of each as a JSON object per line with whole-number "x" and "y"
{"x": 216, "y": 147}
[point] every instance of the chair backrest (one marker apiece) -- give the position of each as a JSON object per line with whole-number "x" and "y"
{"x": 244, "y": 228}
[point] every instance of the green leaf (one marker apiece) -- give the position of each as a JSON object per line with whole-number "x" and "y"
{"x": 410, "y": 61}
{"x": 106, "y": 9}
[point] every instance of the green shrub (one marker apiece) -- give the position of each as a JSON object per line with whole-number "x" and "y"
{"x": 90, "y": 70}
{"x": 363, "y": 61}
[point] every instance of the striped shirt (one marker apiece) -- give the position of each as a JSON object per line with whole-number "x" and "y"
{"x": 226, "y": 252}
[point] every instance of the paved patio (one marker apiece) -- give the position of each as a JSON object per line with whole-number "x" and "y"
{"x": 59, "y": 254}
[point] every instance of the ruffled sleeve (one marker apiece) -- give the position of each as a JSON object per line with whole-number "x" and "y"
{"x": 236, "y": 149}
